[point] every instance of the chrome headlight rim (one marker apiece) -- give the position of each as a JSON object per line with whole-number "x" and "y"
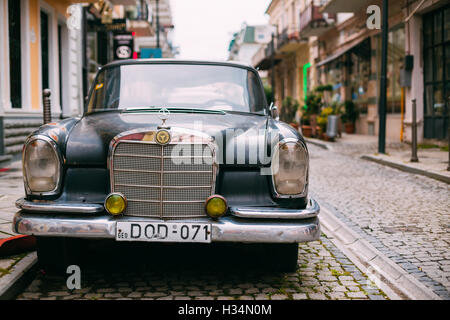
{"x": 304, "y": 193}
{"x": 60, "y": 159}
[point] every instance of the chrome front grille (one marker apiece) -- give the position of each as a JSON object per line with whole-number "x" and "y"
{"x": 157, "y": 185}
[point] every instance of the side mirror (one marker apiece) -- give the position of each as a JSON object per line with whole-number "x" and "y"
{"x": 274, "y": 112}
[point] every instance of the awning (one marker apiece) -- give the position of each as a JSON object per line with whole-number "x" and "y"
{"x": 356, "y": 47}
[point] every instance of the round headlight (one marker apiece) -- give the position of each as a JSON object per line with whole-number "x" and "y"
{"x": 216, "y": 206}
{"x": 291, "y": 174}
{"x": 41, "y": 166}
{"x": 115, "y": 203}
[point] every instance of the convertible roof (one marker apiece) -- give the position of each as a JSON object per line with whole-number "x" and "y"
{"x": 179, "y": 61}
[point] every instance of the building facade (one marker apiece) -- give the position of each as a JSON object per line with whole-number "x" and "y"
{"x": 248, "y": 41}
{"x": 38, "y": 50}
{"x": 60, "y": 44}
{"x": 344, "y": 52}
{"x": 417, "y": 66}
{"x": 287, "y": 57}
{"x": 160, "y": 43}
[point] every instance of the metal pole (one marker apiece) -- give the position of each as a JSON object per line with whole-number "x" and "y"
{"x": 382, "y": 102}
{"x": 272, "y": 68}
{"x": 47, "y": 105}
{"x": 157, "y": 24}
{"x": 448, "y": 132}
{"x": 414, "y": 133}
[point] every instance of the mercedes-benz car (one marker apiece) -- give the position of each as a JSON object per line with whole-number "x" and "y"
{"x": 170, "y": 151}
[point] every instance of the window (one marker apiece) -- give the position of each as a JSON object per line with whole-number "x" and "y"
{"x": 60, "y": 64}
{"x": 359, "y": 73}
{"x": 45, "y": 50}
{"x": 396, "y": 55}
{"x": 210, "y": 87}
{"x": 15, "y": 53}
{"x": 436, "y": 57}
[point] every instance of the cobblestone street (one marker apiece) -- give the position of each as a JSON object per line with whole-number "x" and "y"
{"x": 323, "y": 273}
{"x": 405, "y": 216}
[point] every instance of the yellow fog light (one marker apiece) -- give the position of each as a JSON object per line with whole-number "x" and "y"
{"x": 216, "y": 206}
{"x": 115, "y": 203}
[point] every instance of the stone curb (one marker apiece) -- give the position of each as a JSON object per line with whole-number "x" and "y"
{"x": 13, "y": 282}
{"x": 318, "y": 143}
{"x": 390, "y": 277}
{"x": 407, "y": 168}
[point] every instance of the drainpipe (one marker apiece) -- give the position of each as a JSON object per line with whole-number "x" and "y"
{"x": 305, "y": 82}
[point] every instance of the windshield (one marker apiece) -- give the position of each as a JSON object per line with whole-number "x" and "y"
{"x": 210, "y": 87}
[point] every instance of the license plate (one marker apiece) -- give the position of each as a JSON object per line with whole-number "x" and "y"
{"x": 163, "y": 232}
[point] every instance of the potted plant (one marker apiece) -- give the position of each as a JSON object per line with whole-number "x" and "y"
{"x": 350, "y": 116}
{"x": 288, "y": 111}
{"x": 322, "y": 121}
{"x": 313, "y": 104}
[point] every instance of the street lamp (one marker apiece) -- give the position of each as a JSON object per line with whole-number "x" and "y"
{"x": 382, "y": 103}
{"x": 157, "y": 24}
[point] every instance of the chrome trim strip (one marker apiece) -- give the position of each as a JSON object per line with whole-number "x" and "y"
{"x": 157, "y": 157}
{"x": 167, "y": 201}
{"x": 57, "y": 207}
{"x": 226, "y": 229}
{"x": 311, "y": 210}
{"x": 165, "y": 187}
{"x": 153, "y": 171}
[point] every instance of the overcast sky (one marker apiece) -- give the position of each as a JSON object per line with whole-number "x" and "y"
{"x": 204, "y": 28}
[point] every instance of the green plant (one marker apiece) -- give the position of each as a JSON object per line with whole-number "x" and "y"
{"x": 324, "y": 87}
{"x": 351, "y": 112}
{"x": 313, "y": 104}
{"x": 338, "y": 108}
{"x": 289, "y": 109}
{"x": 322, "y": 119}
{"x": 269, "y": 94}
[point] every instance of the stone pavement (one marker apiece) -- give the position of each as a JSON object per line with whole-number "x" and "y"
{"x": 11, "y": 188}
{"x": 431, "y": 159}
{"x": 323, "y": 273}
{"x": 405, "y": 216}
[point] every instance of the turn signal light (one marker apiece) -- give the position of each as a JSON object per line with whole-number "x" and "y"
{"x": 115, "y": 203}
{"x": 216, "y": 206}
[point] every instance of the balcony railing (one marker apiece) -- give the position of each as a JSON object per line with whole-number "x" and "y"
{"x": 138, "y": 12}
{"x": 313, "y": 22}
{"x": 288, "y": 40}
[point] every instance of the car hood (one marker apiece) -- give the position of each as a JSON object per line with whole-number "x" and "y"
{"x": 89, "y": 140}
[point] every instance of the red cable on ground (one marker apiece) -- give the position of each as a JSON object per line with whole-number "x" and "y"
{"x": 16, "y": 245}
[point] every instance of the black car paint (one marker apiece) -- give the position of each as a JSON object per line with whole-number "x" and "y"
{"x": 84, "y": 145}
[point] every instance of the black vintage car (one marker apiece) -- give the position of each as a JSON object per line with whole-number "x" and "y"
{"x": 170, "y": 151}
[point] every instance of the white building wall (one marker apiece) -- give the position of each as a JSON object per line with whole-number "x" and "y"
{"x": 74, "y": 89}
{"x": 417, "y": 90}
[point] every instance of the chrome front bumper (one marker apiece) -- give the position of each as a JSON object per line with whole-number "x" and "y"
{"x": 227, "y": 229}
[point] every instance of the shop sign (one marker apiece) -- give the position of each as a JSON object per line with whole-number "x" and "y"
{"x": 123, "y": 46}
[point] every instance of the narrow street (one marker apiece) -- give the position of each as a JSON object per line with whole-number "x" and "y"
{"x": 208, "y": 273}
{"x": 401, "y": 214}
{"x": 405, "y": 216}
{"x": 191, "y": 150}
